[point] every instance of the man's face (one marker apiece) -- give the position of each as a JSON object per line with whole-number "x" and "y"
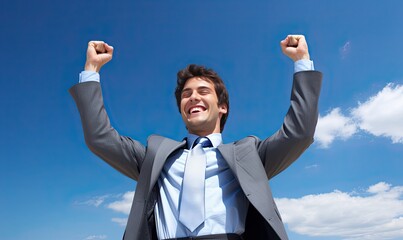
{"x": 199, "y": 107}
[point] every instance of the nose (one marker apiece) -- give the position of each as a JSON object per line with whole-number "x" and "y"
{"x": 195, "y": 97}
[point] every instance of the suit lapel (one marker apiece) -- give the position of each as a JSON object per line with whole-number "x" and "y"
{"x": 234, "y": 155}
{"x": 228, "y": 153}
{"x": 167, "y": 147}
{"x": 249, "y": 171}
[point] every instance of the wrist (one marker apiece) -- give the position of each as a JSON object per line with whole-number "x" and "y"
{"x": 91, "y": 67}
{"x": 302, "y": 57}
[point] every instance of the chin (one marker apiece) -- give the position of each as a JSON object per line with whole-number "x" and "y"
{"x": 195, "y": 125}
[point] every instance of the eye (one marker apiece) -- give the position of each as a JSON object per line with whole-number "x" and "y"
{"x": 204, "y": 91}
{"x": 186, "y": 94}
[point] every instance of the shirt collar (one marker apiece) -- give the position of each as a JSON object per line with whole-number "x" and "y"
{"x": 215, "y": 139}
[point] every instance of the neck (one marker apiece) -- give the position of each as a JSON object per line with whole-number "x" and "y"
{"x": 204, "y": 130}
{"x": 202, "y": 133}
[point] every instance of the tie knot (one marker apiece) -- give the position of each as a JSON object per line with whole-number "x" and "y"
{"x": 203, "y": 141}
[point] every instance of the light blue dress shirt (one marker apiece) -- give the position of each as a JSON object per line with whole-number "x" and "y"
{"x": 226, "y": 205}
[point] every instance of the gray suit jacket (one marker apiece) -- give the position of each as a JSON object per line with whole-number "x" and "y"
{"x": 253, "y": 161}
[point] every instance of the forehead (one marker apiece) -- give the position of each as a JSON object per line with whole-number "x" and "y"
{"x": 197, "y": 82}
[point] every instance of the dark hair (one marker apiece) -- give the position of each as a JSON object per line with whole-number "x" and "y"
{"x": 207, "y": 74}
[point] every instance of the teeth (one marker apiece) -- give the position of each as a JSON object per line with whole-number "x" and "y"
{"x": 196, "y": 109}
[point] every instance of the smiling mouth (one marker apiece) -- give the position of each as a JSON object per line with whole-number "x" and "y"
{"x": 196, "y": 109}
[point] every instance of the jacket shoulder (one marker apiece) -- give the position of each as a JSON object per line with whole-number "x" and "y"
{"x": 249, "y": 140}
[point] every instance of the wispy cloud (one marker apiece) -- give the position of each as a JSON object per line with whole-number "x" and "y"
{"x": 119, "y": 203}
{"x": 376, "y": 213}
{"x": 380, "y": 115}
{"x": 312, "y": 166}
{"x": 124, "y": 204}
{"x": 94, "y": 201}
{"x": 121, "y": 221}
{"x": 95, "y": 237}
{"x": 345, "y": 50}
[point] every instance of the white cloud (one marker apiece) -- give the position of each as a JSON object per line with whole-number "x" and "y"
{"x": 95, "y": 237}
{"x": 123, "y": 205}
{"x": 379, "y": 188}
{"x": 374, "y": 214}
{"x": 121, "y": 221}
{"x": 332, "y": 126}
{"x": 382, "y": 114}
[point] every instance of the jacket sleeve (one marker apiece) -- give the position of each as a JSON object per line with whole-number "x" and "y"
{"x": 122, "y": 153}
{"x": 297, "y": 131}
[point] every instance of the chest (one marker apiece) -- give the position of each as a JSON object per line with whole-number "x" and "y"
{"x": 216, "y": 165}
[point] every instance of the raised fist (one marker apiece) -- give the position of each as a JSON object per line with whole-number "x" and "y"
{"x": 295, "y": 47}
{"x": 98, "y": 53}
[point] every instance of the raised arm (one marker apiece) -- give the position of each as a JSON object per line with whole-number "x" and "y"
{"x": 122, "y": 153}
{"x": 296, "y": 133}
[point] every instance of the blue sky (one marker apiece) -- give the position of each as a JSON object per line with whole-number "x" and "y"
{"x": 347, "y": 185}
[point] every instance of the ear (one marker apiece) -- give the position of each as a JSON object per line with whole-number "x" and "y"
{"x": 223, "y": 109}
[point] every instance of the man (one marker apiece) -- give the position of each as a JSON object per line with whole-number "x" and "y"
{"x": 200, "y": 188}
